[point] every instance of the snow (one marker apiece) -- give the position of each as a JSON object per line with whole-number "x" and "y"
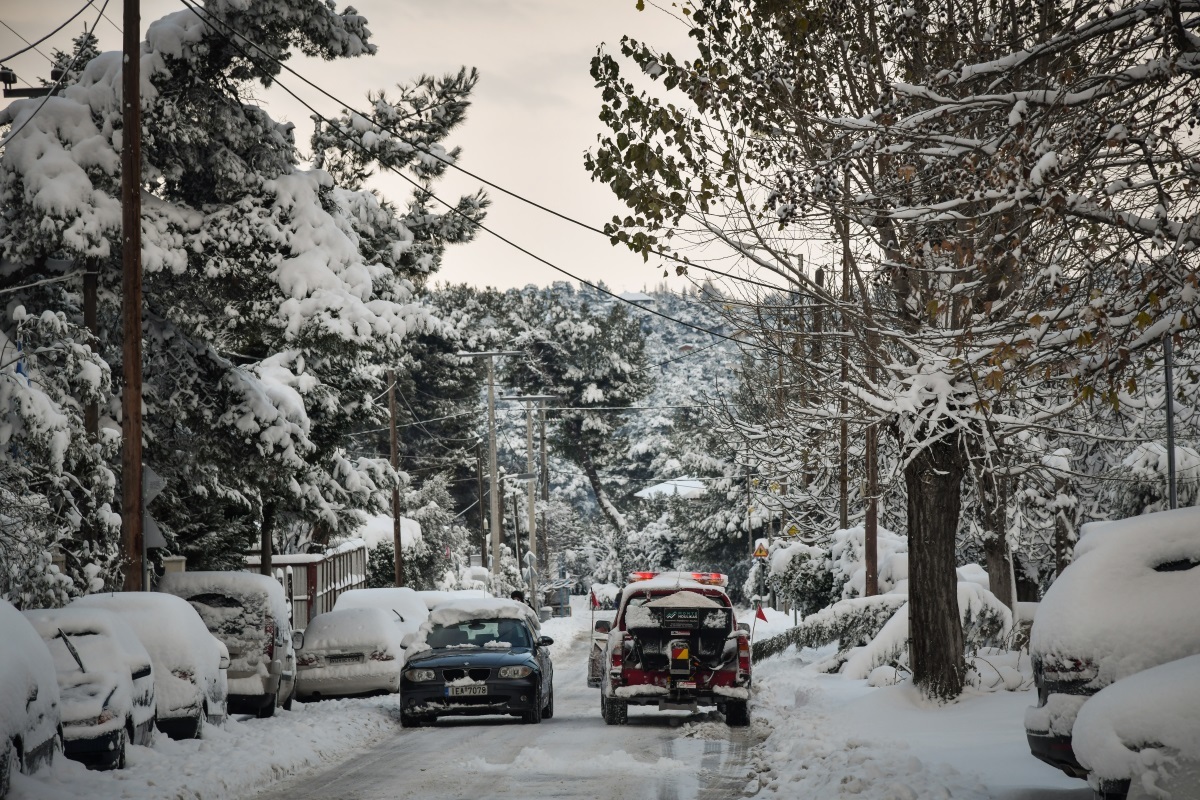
{"x": 464, "y": 609}
{"x": 379, "y": 529}
{"x": 110, "y": 652}
{"x": 434, "y": 597}
{"x": 371, "y": 632}
{"x": 1111, "y": 607}
{"x": 1141, "y": 727}
{"x": 686, "y": 487}
{"x": 176, "y": 639}
{"x": 405, "y": 607}
{"x": 25, "y": 666}
{"x": 683, "y": 599}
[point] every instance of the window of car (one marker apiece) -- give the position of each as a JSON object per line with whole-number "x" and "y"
{"x": 480, "y": 633}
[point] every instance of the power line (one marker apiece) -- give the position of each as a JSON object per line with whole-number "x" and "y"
{"x": 33, "y": 45}
{"x": 57, "y": 84}
{"x": 463, "y": 170}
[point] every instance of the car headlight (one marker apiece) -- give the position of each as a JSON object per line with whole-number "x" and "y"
{"x": 419, "y": 675}
{"x": 515, "y": 672}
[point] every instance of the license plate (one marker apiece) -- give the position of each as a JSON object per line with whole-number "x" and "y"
{"x": 466, "y": 691}
{"x": 349, "y": 658}
{"x": 685, "y": 684}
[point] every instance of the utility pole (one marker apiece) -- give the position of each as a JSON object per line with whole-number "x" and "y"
{"x": 131, "y": 299}
{"x": 871, "y": 523}
{"x": 493, "y": 490}
{"x": 543, "y": 529}
{"x": 398, "y": 567}
{"x": 483, "y": 533}
{"x": 531, "y": 484}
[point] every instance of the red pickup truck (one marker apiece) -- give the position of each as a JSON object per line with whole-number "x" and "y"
{"x": 674, "y": 644}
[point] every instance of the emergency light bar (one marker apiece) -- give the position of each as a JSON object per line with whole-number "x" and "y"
{"x": 707, "y": 578}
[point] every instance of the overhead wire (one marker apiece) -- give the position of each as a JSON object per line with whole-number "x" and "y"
{"x": 33, "y": 45}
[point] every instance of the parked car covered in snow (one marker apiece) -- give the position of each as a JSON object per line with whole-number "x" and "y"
{"x": 405, "y": 607}
{"x": 105, "y": 680}
{"x": 1125, "y": 604}
{"x": 1144, "y": 730}
{"x": 189, "y": 663}
{"x": 349, "y": 651}
{"x": 30, "y": 723}
{"x": 674, "y": 644}
{"x": 478, "y": 656}
{"x": 249, "y": 614}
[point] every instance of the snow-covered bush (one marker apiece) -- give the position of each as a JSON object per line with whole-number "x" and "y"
{"x": 848, "y": 557}
{"x": 801, "y": 575}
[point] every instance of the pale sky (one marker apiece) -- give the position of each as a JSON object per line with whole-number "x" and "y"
{"x": 534, "y": 111}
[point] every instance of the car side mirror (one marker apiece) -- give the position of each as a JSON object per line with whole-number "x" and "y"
{"x": 603, "y": 626}
{"x": 544, "y": 641}
{"x": 744, "y": 626}
{"x": 142, "y": 672}
{"x": 407, "y": 641}
{"x": 297, "y": 640}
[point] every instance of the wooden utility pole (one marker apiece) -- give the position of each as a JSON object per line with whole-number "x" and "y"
{"x": 543, "y": 531}
{"x": 483, "y": 532}
{"x": 91, "y": 414}
{"x": 398, "y": 567}
{"x": 131, "y": 300}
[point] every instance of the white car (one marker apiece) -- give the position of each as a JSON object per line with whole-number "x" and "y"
{"x": 30, "y": 725}
{"x": 1144, "y": 731}
{"x": 1124, "y": 605}
{"x": 349, "y": 651}
{"x": 188, "y": 661}
{"x": 249, "y": 613}
{"x": 406, "y": 607}
{"x": 106, "y": 683}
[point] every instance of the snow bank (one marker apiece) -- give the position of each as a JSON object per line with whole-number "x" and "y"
{"x": 1111, "y": 606}
{"x": 1141, "y": 727}
{"x": 233, "y": 762}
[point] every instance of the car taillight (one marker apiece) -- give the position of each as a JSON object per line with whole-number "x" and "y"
{"x": 617, "y": 657}
{"x": 270, "y": 629}
{"x": 743, "y": 655}
{"x": 307, "y": 660}
{"x": 183, "y": 675}
{"x": 378, "y": 656}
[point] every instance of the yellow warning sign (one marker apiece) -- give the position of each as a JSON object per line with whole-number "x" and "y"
{"x": 760, "y": 551}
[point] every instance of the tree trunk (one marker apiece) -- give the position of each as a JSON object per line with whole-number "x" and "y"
{"x": 933, "y": 479}
{"x": 268, "y": 530}
{"x": 1062, "y": 533}
{"x": 607, "y": 508}
{"x": 994, "y": 498}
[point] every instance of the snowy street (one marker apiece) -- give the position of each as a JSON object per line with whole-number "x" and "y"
{"x": 573, "y": 755}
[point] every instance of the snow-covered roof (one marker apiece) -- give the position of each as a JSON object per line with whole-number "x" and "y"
{"x": 1113, "y": 607}
{"x": 435, "y": 597}
{"x": 685, "y": 487}
{"x": 403, "y": 605}
{"x": 667, "y": 581}
{"x": 469, "y": 608}
{"x": 636, "y": 297}
{"x": 1136, "y": 728}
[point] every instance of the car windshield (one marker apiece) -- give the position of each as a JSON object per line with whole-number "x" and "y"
{"x": 480, "y": 633}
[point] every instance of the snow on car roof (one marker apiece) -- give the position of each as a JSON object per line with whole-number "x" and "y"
{"x": 683, "y": 600}
{"x": 1112, "y": 605}
{"x": 468, "y": 608}
{"x": 668, "y": 581}
{"x": 24, "y": 664}
{"x": 354, "y": 627}
{"x": 393, "y": 599}
{"x": 1131, "y": 729}
{"x": 434, "y": 597}
{"x": 234, "y": 584}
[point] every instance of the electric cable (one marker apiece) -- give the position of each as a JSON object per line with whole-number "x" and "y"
{"x": 33, "y": 45}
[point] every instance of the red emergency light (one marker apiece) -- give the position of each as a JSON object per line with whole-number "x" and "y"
{"x": 707, "y": 578}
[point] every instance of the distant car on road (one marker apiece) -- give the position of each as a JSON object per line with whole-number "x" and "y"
{"x": 405, "y": 607}
{"x": 349, "y": 651}
{"x": 249, "y": 614}
{"x": 189, "y": 662}
{"x": 674, "y": 644}
{"x": 106, "y": 682}
{"x": 1124, "y": 605}
{"x": 30, "y": 716}
{"x": 478, "y": 656}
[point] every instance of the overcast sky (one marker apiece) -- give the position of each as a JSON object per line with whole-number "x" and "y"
{"x": 533, "y": 115}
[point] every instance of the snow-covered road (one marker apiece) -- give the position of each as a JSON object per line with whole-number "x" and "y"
{"x": 658, "y": 756}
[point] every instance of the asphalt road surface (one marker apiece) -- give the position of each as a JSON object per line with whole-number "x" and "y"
{"x": 657, "y": 756}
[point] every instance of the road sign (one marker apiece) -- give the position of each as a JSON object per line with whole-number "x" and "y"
{"x": 793, "y": 530}
{"x": 760, "y": 551}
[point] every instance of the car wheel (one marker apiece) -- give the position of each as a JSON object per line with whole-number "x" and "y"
{"x": 409, "y": 721}
{"x": 534, "y": 715}
{"x": 548, "y": 711}
{"x": 122, "y": 746}
{"x": 616, "y": 712}
{"x": 201, "y": 717}
{"x": 737, "y": 714}
{"x": 287, "y": 704}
